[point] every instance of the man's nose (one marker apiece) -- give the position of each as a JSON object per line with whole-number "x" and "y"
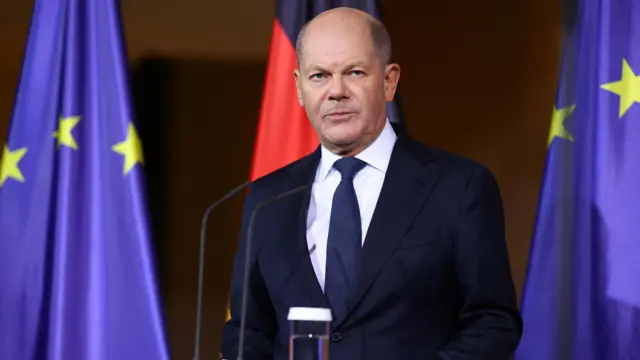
{"x": 338, "y": 89}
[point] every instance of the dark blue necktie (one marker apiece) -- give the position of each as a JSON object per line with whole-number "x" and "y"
{"x": 345, "y": 238}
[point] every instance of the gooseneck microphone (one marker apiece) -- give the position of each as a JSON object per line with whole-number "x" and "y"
{"x": 203, "y": 232}
{"x": 245, "y": 285}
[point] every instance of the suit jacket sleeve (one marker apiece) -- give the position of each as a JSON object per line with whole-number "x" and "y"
{"x": 490, "y": 324}
{"x": 261, "y": 326}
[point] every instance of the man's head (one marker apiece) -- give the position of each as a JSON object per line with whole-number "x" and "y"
{"x": 344, "y": 78}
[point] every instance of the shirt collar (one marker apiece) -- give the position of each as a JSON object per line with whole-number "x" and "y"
{"x": 376, "y": 155}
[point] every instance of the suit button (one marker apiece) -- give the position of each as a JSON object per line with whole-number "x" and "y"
{"x": 336, "y": 337}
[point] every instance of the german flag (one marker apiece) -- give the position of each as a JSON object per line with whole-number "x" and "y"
{"x": 284, "y": 133}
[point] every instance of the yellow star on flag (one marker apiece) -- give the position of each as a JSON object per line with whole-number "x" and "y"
{"x": 9, "y": 165}
{"x": 131, "y": 149}
{"x": 628, "y": 88}
{"x": 557, "y": 124}
{"x": 64, "y": 136}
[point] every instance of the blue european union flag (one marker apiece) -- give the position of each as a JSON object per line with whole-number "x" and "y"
{"x": 581, "y": 298}
{"x": 77, "y": 277}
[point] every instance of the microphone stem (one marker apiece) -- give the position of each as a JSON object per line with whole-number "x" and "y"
{"x": 203, "y": 238}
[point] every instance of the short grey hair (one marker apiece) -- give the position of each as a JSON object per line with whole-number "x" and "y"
{"x": 379, "y": 36}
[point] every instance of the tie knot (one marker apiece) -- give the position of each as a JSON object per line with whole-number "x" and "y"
{"x": 349, "y": 166}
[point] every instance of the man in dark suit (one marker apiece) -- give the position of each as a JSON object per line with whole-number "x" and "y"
{"x": 404, "y": 243}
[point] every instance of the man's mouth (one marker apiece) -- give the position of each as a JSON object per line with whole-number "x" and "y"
{"x": 338, "y": 115}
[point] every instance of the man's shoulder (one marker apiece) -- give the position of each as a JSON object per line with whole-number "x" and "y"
{"x": 456, "y": 173}
{"x": 284, "y": 178}
{"x": 448, "y": 161}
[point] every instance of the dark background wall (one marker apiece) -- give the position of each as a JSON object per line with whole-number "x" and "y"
{"x": 478, "y": 78}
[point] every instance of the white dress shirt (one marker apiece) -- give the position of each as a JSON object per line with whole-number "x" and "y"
{"x": 367, "y": 184}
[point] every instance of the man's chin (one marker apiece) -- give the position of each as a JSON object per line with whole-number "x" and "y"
{"x": 341, "y": 145}
{"x": 342, "y": 138}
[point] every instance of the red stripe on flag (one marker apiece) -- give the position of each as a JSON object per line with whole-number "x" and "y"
{"x": 284, "y": 133}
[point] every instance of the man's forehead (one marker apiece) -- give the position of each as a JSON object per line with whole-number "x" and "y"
{"x": 336, "y": 43}
{"x": 337, "y": 56}
{"x": 335, "y": 38}
{"x": 338, "y": 29}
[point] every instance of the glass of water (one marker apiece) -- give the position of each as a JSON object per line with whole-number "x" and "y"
{"x": 309, "y": 333}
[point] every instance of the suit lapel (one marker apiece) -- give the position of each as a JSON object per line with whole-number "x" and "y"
{"x": 409, "y": 180}
{"x": 302, "y": 270}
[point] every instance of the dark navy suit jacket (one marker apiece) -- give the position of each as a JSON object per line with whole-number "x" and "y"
{"x": 434, "y": 280}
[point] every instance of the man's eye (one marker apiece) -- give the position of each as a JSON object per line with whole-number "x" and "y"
{"x": 357, "y": 73}
{"x": 317, "y": 76}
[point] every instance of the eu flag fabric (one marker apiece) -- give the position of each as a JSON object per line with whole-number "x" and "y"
{"x": 76, "y": 269}
{"x": 581, "y": 298}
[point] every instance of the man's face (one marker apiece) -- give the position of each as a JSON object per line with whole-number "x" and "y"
{"x": 343, "y": 85}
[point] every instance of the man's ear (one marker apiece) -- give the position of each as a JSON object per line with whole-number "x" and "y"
{"x": 391, "y": 79}
{"x": 296, "y": 75}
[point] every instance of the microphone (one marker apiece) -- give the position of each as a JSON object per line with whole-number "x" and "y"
{"x": 245, "y": 285}
{"x": 203, "y": 231}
